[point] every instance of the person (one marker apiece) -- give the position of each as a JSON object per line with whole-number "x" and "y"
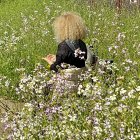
{"x": 70, "y": 30}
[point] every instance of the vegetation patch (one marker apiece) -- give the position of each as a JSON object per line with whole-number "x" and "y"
{"x": 105, "y": 106}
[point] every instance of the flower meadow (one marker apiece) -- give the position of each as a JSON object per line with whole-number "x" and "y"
{"x": 106, "y": 103}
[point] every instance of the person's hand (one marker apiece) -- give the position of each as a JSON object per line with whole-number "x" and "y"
{"x": 50, "y": 58}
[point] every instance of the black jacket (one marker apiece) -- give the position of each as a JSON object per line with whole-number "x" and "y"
{"x": 66, "y": 55}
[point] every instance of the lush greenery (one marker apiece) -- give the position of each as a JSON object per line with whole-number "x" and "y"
{"x": 105, "y": 107}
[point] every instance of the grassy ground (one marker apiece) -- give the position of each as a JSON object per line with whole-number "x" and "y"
{"x": 8, "y": 105}
{"x": 106, "y": 109}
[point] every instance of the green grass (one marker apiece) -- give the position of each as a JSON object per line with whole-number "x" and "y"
{"x": 30, "y": 23}
{"x": 26, "y": 50}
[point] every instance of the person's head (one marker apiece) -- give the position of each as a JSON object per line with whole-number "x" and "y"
{"x": 70, "y": 26}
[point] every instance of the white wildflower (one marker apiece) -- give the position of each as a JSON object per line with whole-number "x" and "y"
{"x": 122, "y": 91}
{"x": 113, "y": 97}
{"x": 138, "y": 88}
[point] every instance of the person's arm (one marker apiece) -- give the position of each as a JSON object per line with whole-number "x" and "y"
{"x": 50, "y": 58}
{"x": 60, "y": 56}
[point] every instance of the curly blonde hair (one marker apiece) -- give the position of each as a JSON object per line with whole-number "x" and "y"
{"x": 69, "y": 25}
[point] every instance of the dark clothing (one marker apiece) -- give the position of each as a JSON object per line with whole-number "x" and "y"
{"x": 66, "y": 55}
